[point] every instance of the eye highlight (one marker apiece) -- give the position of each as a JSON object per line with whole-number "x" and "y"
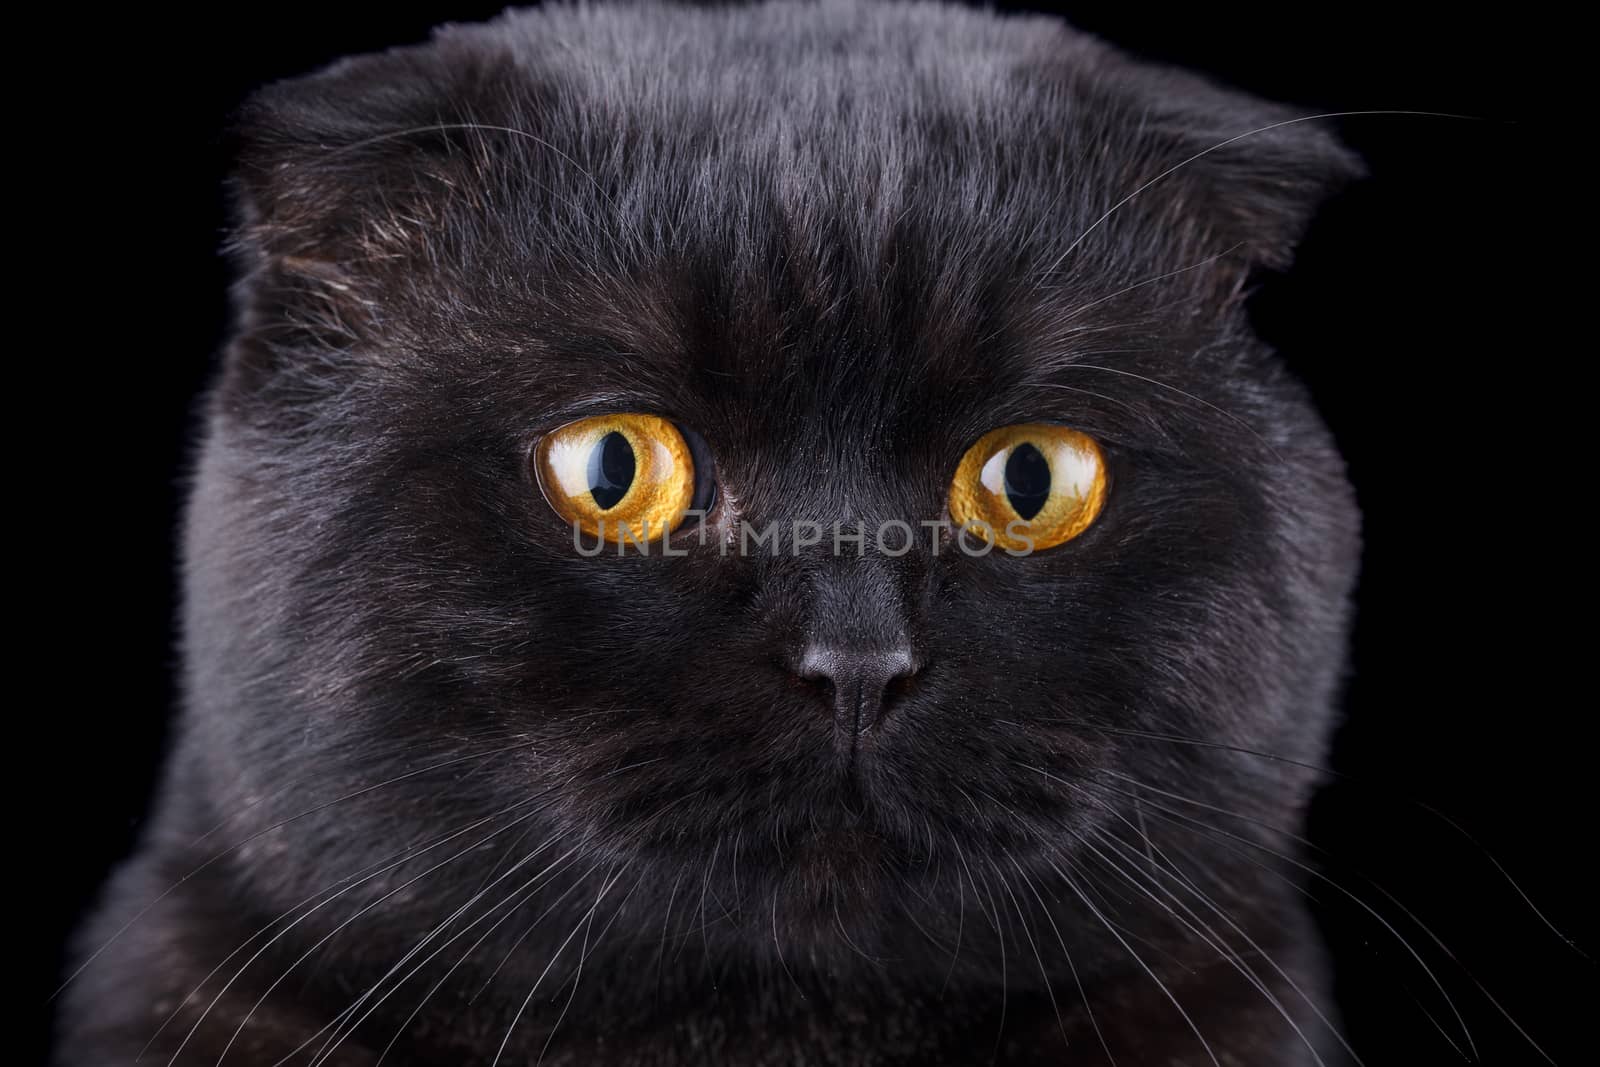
{"x": 1029, "y": 486}
{"x": 621, "y": 476}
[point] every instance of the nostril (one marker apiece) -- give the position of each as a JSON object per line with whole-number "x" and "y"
{"x": 901, "y": 684}
{"x": 807, "y": 682}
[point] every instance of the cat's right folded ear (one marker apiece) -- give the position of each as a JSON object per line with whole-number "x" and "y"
{"x": 339, "y": 175}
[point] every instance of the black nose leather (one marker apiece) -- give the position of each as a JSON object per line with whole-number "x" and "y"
{"x": 858, "y": 679}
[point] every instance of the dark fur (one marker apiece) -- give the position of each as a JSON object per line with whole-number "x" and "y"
{"x": 840, "y": 242}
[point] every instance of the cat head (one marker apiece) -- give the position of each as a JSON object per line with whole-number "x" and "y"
{"x": 831, "y": 248}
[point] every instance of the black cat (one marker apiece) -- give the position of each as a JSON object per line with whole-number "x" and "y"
{"x": 919, "y": 330}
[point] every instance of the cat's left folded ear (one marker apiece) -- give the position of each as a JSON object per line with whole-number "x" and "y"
{"x": 1237, "y": 176}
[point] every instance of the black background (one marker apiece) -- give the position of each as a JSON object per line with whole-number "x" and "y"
{"x": 1419, "y": 312}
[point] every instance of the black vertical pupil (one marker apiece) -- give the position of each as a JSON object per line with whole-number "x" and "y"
{"x": 1027, "y": 480}
{"x": 610, "y": 470}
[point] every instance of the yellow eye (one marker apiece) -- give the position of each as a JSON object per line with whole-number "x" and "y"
{"x": 618, "y": 476}
{"x": 1029, "y": 487}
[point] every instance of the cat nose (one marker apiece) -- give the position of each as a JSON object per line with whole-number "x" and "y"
{"x": 860, "y": 681}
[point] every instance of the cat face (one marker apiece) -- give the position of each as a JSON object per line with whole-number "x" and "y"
{"x": 453, "y": 252}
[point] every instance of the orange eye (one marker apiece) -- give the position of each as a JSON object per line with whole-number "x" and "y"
{"x": 618, "y": 476}
{"x": 1029, "y": 486}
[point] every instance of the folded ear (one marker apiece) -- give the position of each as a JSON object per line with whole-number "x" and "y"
{"x": 1228, "y": 173}
{"x": 1263, "y": 169}
{"x": 343, "y": 174}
